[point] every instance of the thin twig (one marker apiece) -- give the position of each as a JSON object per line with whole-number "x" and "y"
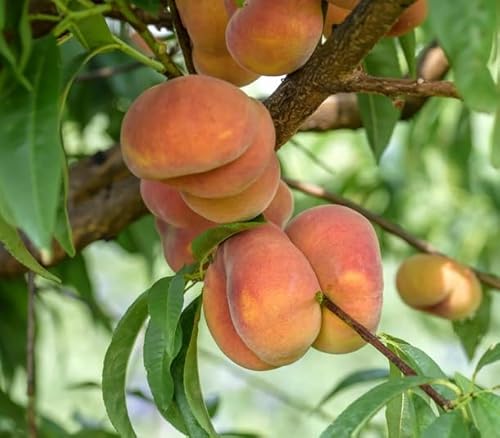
{"x": 30, "y": 359}
{"x": 182, "y": 35}
{"x": 406, "y": 369}
{"x": 392, "y": 228}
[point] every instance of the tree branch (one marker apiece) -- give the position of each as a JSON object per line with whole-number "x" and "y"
{"x": 392, "y": 228}
{"x": 182, "y": 35}
{"x": 375, "y": 342}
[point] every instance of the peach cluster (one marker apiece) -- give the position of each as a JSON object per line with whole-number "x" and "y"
{"x": 437, "y": 285}
{"x": 413, "y": 16}
{"x": 260, "y": 296}
{"x": 205, "y": 154}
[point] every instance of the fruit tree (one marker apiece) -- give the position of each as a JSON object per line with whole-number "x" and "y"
{"x": 249, "y": 218}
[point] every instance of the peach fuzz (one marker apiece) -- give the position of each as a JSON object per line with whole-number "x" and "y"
{"x": 271, "y": 292}
{"x": 186, "y": 125}
{"x": 219, "y": 322}
{"x": 245, "y": 205}
{"x": 438, "y": 285}
{"x": 234, "y": 177}
{"x": 342, "y": 248}
{"x": 280, "y": 209}
{"x": 166, "y": 204}
{"x": 274, "y": 38}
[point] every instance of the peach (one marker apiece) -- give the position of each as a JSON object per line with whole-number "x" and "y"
{"x": 334, "y": 15}
{"x": 342, "y": 248}
{"x": 271, "y": 292}
{"x": 236, "y": 176}
{"x": 280, "y": 209}
{"x": 274, "y": 38}
{"x": 438, "y": 285}
{"x": 245, "y": 205}
{"x": 345, "y": 4}
{"x": 219, "y": 322}
{"x": 176, "y": 243}
{"x": 186, "y": 125}
{"x": 221, "y": 65}
{"x": 166, "y": 203}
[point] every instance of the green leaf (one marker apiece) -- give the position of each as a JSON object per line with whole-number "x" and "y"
{"x": 355, "y": 378}
{"x": 408, "y": 45}
{"x": 92, "y": 32}
{"x": 378, "y": 113}
{"x": 204, "y": 244}
{"x": 357, "y": 414}
{"x": 94, "y": 433}
{"x": 449, "y": 425}
{"x": 495, "y": 140}
{"x": 181, "y": 403}
{"x": 471, "y": 331}
{"x": 14, "y": 244}
{"x": 192, "y": 385}
{"x": 400, "y": 417}
{"x": 424, "y": 415}
{"x": 31, "y": 165}
{"x": 466, "y": 34}
{"x": 490, "y": 356}
{"x": 485, "y": 408}
{"x": 14, "y": 22}
{"x": 115, "y": 365}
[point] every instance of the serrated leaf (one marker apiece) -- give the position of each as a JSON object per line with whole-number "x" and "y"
{"x": 31, "y": 165}
{"x": 378, "y": 113}
{"x": 115, "y": 365}
{"x": 205, "y": 243}
{"x": 490, "y": 356}
{"x": 466, "y": 34}
{"x": 361, "y": 376}
{"x": 408, "y": 45}
{"x": 15, "y": 246}
{"x": 449, "y": 425}
{"x": 471, "y": 331}
{"x": 181, "y": 404}
{"x": 192, "y": 380}
{"x": 357, "y": 414}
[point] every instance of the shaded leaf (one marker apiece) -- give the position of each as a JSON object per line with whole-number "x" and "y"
{"x": 358, "y": 413}
{"x": 152, "y": 6}
{"x": 471, "y": 331}
{"x": 115, "y": 365}
{"x": 92, "y": 31}
{"x": 32, "y": 165}
{"x": 13, "y": 243}
{"x": 490, "y": 356}
{"x": 449, "y": 425}
{"x": 485, "y": 408}
{"x": 408, "y": 45}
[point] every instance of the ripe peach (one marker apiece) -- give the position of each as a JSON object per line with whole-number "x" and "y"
{"x": 274, "y": 38}
{"x": 166, "y": 203}
{"x": 438, "y": 285}
{"x": 345, "y": 4}
{"x": 412, "y": 17}
{"x": 186, "y": 125}
{"x": 271, "y": 294}
{"x": 245, "y": 205}
{"x": 219, "y": 322}
{"x": 280, "y": 209}
{"x": 343, "y": 250}
{"x": 234, "y": 177}
{"x": 222, "y": 65}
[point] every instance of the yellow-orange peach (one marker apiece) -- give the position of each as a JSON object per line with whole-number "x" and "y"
{"x": 274, "y": 38}
{"x": 186, "y": 125}
{"x": 412, "y": 17}
{"x": 334, "y": 15}
{"x": 236, "y": 176}
{"x": 345, "y": 4}
{"x": 166, "y": 203}
{"x": 271, "y": 292}
{"x": 245, "y": 205}
{"x": 222, "y": 65}
{"x": 219, "y": 322}
{"x": 438, "y": 285}
{"x": 343, "y": 250}
{"x": 280, "y": 209}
